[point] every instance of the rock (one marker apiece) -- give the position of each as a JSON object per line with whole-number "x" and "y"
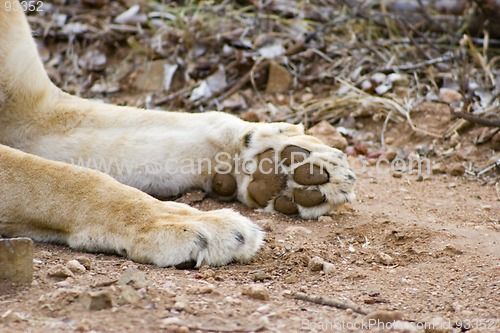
{"x": 398, "y": 79}
{"x": 384, "y": 258}
{"x": 16, "y": 258}
{"x": 328, "y": 134}
{"x": 181, "y": 303}
{"x": 383, "y": 88}
{"x": 97, "y": 300}
{"x": 279, "y": 78}
{"x": 397, "y": 174}
{"x": 76, "y": 267}
{"x": 170, "y": 321}
{"x": 256, "y": 291}
{"x": 384, "y": 317}
{"x": 449, "y": 96}
{"x": 133, "y": 277}
{"x": 378, "y": 78}
{"x": 209, "y": 274}
{"x": 374, "y": 155}
{"x": 456, "y": 169}
{"x": 366, "y": 85}
{"x": 205, "y": 289}
{"x": 316, "y": 264}
{"x": 328, "y": 268}
{"x": 182, "y": 329}
{"x": 390, "y": 140}
{"x": 451, "y": 249}
{"x": 438, "y": 168}
{"x": 60, "y": 271}
{"x": 306, "y": 97}
{"x": 259, "y": 275}
{"x": 389, "y": 155}
{"x": 86, "y": 262}
{"x": 129, "y": 295}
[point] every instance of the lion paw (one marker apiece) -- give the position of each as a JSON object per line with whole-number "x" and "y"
{"x": 213, "y": 238}
{"x": 283, "y": 170}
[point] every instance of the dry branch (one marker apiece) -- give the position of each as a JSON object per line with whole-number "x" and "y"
{"x": 324, "y": 300}
{"x": 476, "y": 119}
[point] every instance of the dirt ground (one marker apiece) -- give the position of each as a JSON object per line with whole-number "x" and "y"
{"x": 425, "y": 250}
{"x": 428, "y": 249}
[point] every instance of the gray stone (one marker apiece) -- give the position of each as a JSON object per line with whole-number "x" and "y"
{"x": 16, "y": 256}
{"x": 97, "y": 300}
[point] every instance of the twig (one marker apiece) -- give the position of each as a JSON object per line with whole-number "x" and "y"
{"x": 384, "y": 128}
{"x": 444, "y": 58}
{"x": 244, "y": 80}
{"x": 476, "y": 119}
{"x": 220, "y": 329}
{"x": 494, "y": 165}
{"x": 185, "y": 90}
{"x": 323, "y": 300}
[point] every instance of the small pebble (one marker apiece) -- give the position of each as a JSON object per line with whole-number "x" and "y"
{"x": 170, "y": 321}
{"x": 397, "y": 174}
{"x": 182, "y": 329}
{"x": 98, "y": 300}
{"x": 449, "y": 96}
{"x": 316, "y": 264}
{"x": 456, "y": 169}
{"x": 85, "y": 262}
{"x": 206, "y": 289}
{"x": 259, "y": 275}
{"x": 328, "y": 268}
{"x": 306, "y": 97}
{"x": 59, "y": 271}
{"x": 438, "y": 168}
{"x": 385, "y": 259}
{"x": 389, "y": 155}
{"x": 378, "y": 77}
{"x": 256, "y": 291}
{"x": 76, "y": 267}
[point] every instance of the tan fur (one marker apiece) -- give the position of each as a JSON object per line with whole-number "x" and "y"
{"x": 44, "y": 132}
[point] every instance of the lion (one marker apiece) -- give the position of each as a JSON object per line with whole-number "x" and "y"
{"x": 52, "y": 194}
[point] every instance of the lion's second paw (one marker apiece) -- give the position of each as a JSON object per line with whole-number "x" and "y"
{"x": 197, "y": 238}
{"x": 285, "y": 171}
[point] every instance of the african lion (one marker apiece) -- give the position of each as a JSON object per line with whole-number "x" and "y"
{"x": 49, "y": 196}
